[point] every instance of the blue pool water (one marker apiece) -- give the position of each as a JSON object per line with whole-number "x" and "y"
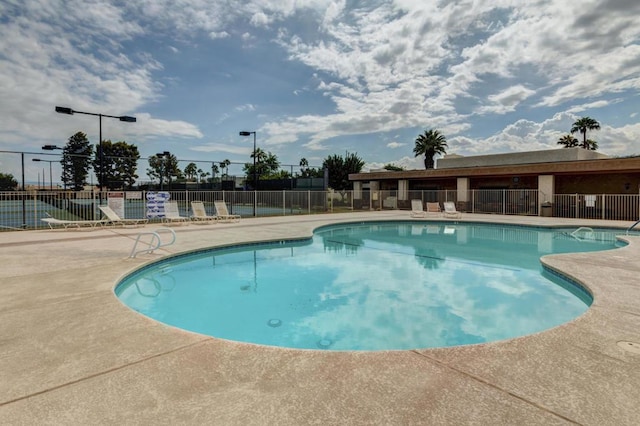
{"x": 371, "y": 286}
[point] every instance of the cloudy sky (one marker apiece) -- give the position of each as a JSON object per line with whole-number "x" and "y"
{"x": 318, "y": 77}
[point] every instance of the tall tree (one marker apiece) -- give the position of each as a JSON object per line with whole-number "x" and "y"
{"x": 164, "y": 168}
{"x": 430, "y": 143}
{"x": 214, "y": 170}
{"x": 191, "y": 171}
{"x": 125, "y": 164}
{"x": 202, "y": 175}
{"x": 568, "y": 141}
{"x": 340, "y": 168}
{"x": 583, "y": 125}
{"x": 309, "y": 172}
{"x": 119, "y": 164}
{"x": 7, "y": 182}
{"x": 76, "y": 161}
{"x": 267, "y": 166}
{"x": 224, "y": 165}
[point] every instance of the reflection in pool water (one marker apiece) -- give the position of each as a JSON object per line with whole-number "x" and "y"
{"x": 370, "y": 287}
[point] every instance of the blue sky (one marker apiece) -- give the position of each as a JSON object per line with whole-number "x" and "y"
{"x": 318, "y": 77}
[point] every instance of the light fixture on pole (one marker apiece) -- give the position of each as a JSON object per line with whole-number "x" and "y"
{"x": 255, "y": 175}
{"x": 70, "y": 111}
{"x": 73, "y": 156}
{"x": 50, "y": 172}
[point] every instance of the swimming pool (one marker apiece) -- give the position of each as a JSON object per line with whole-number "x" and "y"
{"x": 371, "y": 286}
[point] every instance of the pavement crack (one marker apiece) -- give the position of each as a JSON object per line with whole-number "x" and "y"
{"x": 492, "y": 385}
{"x": 105, "y": 372}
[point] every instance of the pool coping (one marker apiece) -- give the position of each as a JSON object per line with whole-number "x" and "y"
{"x": 72, "y": 352}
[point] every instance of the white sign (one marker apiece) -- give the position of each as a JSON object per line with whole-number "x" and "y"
{"x": 133, "y": 195}
{"x": 155, "y": 203}
{"x": 115, "y": 200}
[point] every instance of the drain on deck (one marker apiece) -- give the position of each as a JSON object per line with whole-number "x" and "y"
{"x": 630, "y": 346}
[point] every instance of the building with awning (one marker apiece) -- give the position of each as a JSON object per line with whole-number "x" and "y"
{"x": 550, "y": 172}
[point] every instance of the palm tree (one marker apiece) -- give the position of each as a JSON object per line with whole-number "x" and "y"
{"x": 224, "y": 165}
{"x": 191, "y": 171}
{"x": 582, "y": 125}
{"x": 429, "y": 144}
{"x": 214, "y": 170}
{"x": 568, "y": 141}
{"x": 589, "y": 144}
{"x": 260, "y": 155}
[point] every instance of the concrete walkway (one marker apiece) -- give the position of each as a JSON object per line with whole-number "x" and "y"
{"x": 71, "y": 353}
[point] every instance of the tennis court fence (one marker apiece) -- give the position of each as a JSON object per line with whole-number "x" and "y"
{"x": 24, "y": 209}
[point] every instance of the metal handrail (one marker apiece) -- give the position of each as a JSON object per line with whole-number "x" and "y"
{"x": 584, "y": 229}
{"x": 632, "y": 226}
{"x": 155, "y": 238}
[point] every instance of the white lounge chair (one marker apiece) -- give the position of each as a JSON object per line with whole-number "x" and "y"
{"x": 200, "y": 213}
{"x": 172, "y": 213}
{"x": 115, "y": 219}
{"x": 66, "y": 224}
{"x": 416, "y": 209}
{"x": 450, "y": 210}
{"x": 223, "y": 214}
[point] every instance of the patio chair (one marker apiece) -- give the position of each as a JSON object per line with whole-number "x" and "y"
{"x": 66, "y": 224}
{"x": 434, "y": 208}
{"x": 172, "y": 213}
{"x": 223, "y": 214}
{"x": 416, "y": 209}
{"x": 115, "y": 219}
{"x": 450, "y": 210}
{"x": 200, "y": 213}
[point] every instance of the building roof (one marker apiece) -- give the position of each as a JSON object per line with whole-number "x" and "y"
{"x": 528, "y": 157}
{"x": 593, "y": 166}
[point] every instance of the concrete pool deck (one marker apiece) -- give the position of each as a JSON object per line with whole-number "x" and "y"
{"x": 71, "y": 353}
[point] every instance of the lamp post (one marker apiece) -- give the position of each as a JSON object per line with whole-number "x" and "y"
{"x": 125, "y": 118}
{"x": 162, "y": 156}
{"x": 255, "y": 175}
{"x": 50, "y": 173}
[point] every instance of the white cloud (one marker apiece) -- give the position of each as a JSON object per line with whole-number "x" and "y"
{"x": 507, "y": 100}
{"x": 527, "y": 135}
{"x": 394, "y": 145}
{"x": 260, "y": 20}
{"x": 218, "y": 34}
{"x": 246, "y": 107}
{"x": 618, "y": 141}
{"x": 374, "y": 69}
{"x": 591, "y": 105}
{"x": 407, "y": 163}
{"x": 149, "y": 127}
{"x": 219, "y": 147}
{"x": 381, "y": 67}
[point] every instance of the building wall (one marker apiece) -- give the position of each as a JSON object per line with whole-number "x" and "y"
{"x": 620, "y": 183}
{"x": 388, "y": 185}
{"x": 433, "y": 184}
{"x": 505, "y": 182}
